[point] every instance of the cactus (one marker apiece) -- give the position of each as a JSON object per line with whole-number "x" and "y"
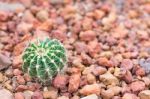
{"x": 44, "y": 59}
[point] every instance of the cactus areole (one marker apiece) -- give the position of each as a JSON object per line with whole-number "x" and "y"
{"x": 44, "y": 59}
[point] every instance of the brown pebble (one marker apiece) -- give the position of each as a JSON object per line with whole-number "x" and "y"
{"x": 137, "y": 86}
{"x": 99, "y": 70}
{"x": 107, "y": 94}
{"x": 74, "y": 82}
{"x": 90, "y": 89}
{"x": 103, "y": 61}
{"x": 87, "y": 35}
{"x": 60, "y": 81}
{"x": 127, "y": 64}
{"x": 129, "y": 96}
{"x": 20, "y": 79}
{"x": 37, "y": 95}
{"x": 19, "y": 95}
{"x": 17, "y": 72}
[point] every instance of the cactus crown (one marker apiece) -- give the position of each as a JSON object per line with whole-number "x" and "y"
{"x": 44, "y": 59}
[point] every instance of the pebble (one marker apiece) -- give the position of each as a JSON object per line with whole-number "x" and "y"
{"x": 107, "y": 94}
{"x": 109, "y": 79}
{"x": 103, "y": 61}
{"x": 94, "y": 48}
{"x": 24, "y": 27}
{"x": 91, "y": 78}
{"x": 74, "y": 82}
{"x": 127, "y": 64}
{"x": 127, "y": 77}
{"x": 145, "y": 64}
{"x": 99, "y": 70}
{"x": 19, "y": 95}
{"x": 4, "y": 16}
{"x": 145, "y": 94}
{"x": 21, "y": 88}
{"x": 1, "y": 78}
{"x": 37, "y": 95}
{"x": 5, "y": 94}
{"x": 80, "y": 47}
{"x": 140, "y": 72}
{"x": 63, "y": 97}
{"x": 27, "y": 94}
{"x": 11, "y": 7}
{"x": 17, "y": 72}
{"x": 9, "y": 72}
{"x": 92, "y": 96}
{"x": 60, "y": 81}
{"x": 42, "y": 15}
{"x": 20, "y": 80}
{"x": 87, "y": 35}
{"x": 57, "y": 34}
{"x": 4, "y": 61}
{"x": 146, "y": 80}
{"x": 140, "y": 84}
{"x": 129, "y": 96}
{"x": 90, "y": 89}
{"x": 52, "y": 93}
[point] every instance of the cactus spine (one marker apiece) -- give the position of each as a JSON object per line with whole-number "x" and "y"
{"x": 44, "y": 59}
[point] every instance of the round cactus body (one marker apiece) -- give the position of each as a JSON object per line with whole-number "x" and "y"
{"x": 44, "y": 59}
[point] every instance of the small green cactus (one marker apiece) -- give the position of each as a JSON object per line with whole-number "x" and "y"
{"x": 44, "y": 59}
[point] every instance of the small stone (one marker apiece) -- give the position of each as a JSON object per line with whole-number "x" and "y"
{"x": 116, "y": 90}
{"x": 37, "y": 95}
{"x": 91, "y": 78}
{"x": 109, "y": 79}
{"x": 27, "y": 77}
{"x": 140, "y": 72}
{"x": 4, "y": 15}
{"x": 17, "y": 60}
{"x": 21, "y": 88}
{"x": 87, "y": 35}
{"x": 1, "y": 78}
{"x": 146, "y": 80}
{"x": 74, "y": 82}
{"x": 9, "y": 72}
{"x": 145, "y": 94}
{"x": 60, "y": 81}
{"x": 17, "y": 72}
{"x": 127, "y": 77}
{"x": 94, "y": 48}
{"x": 27, "y": 94}
{"x": 99, "y": 70}
{"x": 80, "y": 47}
{"x": 98, "y": 14}
{"x": 19, "y": 95}
{"x": 5, "y": 94}
{"x": 137, "y": 86}
{"x": 92, "y": 96}
{"x": 75, "y": 97}
{"x": 24, "y": 27}
{"x": 107, "y": 94}
{"x": 42, "y": 15}
{"x": 20, "y": 80}
{"x": 4, "y": 61}
{"x": 11, "y": 7}
{"x": 59, "y": 35}
{"x": 127, "y": 64}
{"x": 103, "y": 61}
{"x": 52, "y": 94}
{"x": 63, "y": 97}
{"x": 90, "y": 89}
{"x": 129, "y": 96}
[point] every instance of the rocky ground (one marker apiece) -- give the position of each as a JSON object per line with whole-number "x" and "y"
{"x": 107, "y": 42}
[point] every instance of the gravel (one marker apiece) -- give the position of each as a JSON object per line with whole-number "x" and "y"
{"x": 107, "y": 44}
